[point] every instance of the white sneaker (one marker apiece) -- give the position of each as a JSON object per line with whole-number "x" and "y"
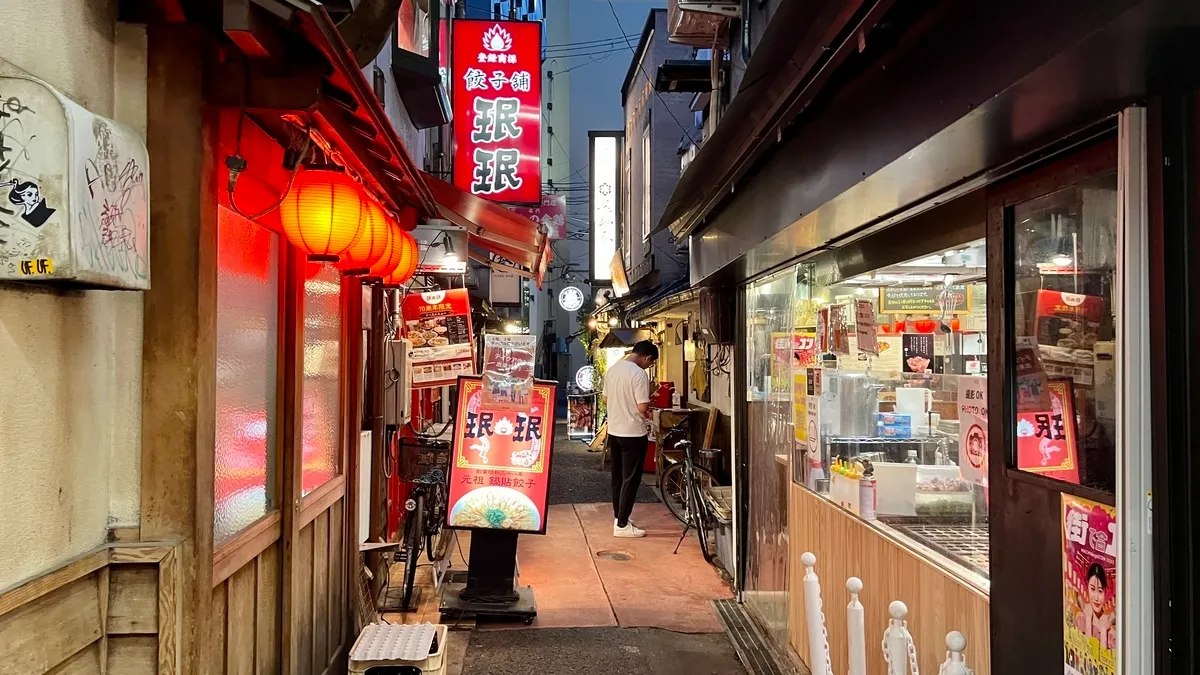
{"x": 628, "y": 532}
{"x": 630, "y": 522}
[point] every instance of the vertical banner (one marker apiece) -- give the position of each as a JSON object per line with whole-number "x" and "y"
{"x": 500, "y": 470}
{"x": 498, "y": 109}
{"x": 1089, "y": 568}
{"x": 973, "y": 429}
{"x": 813, "y": 470}
{"x": 550, "y": 214}
{"x": 822, "y": 331}
{"x": 864, "y": 327}
{"x": 439, "y": 327}
{"x": 839, "y": 335}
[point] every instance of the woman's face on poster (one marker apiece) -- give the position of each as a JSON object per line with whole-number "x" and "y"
{"x": 1095, "y": 593}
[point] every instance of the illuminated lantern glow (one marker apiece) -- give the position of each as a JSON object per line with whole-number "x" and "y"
{"x": 324, "y": 213}
{"x": 407, "y": 267}
{"x": 391, "y": 255}
{"x": 373, "y": 241}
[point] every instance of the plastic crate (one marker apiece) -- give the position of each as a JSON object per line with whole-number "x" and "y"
{"x": 723, "y": 501}
{"x": 434, "y": 664}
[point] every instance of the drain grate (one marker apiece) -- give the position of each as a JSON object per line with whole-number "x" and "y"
{"x": 619, "y": 556}
{"x": 756, "y": 652}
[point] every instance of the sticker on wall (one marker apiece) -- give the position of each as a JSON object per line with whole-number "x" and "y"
{"x": 1089, "y": 569}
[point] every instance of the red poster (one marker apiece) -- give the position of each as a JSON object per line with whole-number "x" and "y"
{"x": 438, "y": 325}
{"x": 552, "y": 214}
{"x": 804, "y": 350}
{"x": 1046, "y": 441}
{"x": 498, "y": 109}
{"x": 500, "y": 471}
{"x": 823, "y": 330}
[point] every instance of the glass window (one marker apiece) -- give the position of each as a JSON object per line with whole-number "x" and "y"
{"x": 247, "y": 358}
{"x": 322, "y": 367}
{"x": 1064, "y": 340}
{"x": 769, "y": 432}
{"x": 413, "y": 27}
{"x": 895, "y": 377}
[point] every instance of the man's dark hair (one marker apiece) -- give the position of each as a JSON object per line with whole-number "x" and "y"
{"x": 646, "y": 348}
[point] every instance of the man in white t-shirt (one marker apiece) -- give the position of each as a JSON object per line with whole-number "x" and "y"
{"x": 627, "y": 395}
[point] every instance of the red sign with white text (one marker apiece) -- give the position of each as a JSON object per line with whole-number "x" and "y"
{"x": 438, "y": 326}
{"x": 500, "y": 470}
{"x": 497, "y": 104}
{"x": 552, "y": 214}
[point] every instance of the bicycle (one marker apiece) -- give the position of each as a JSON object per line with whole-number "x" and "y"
{"x": 698, "y": 510}
{"x": 671, "y": 482}
{"x": 425, "y": 506}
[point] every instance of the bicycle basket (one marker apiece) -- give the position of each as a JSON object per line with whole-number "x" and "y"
{"x": 421, "y": 461}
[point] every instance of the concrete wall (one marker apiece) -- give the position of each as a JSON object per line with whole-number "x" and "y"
{"x": 664, "y": 114}
{"x": 70, "y": 385}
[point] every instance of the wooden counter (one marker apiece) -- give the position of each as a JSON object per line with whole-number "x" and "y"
{"x": 845, "y": 547}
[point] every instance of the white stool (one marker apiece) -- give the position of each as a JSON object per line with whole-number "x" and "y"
{"x": 390, "y": 644}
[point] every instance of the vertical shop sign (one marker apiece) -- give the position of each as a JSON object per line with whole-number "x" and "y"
{"x": 918, "y": 352}
{"x": 1089, "y": 568}
{"x": 498, "y": 109}
{"x": 500, "y": 471}
{"x": 1046, "y": 439}
{"x": 973, "y": 429}
{"x": 550, "y": 214}
{"x": 439, "y": 327}
{"x": 864, "y": 327}
{"x": 608, "y": 263}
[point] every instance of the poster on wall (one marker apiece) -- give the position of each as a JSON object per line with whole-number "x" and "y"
{"x": 438, "y": 325}
{"x": 839, "y": 333}
{"x": 822, "y": 331}
{"x": 1033, "y": 392}
{"x": 890, "y": 362}
{"x": 1046, "y": 440}
{"x": 804, "y": 350}
{"x": 781, "y": 362}
{"x": 918, "y": 352}
{"x": 973, "y": 429}
{"x": 813, "y": 470}
{"x": 508, "y": 371}
{"x": 1089, "y": 568}
{"x": 497, "y": 109}
{"x": 924, "y": 300}
{"x": 864, "y": 327}
{"x": 500, "y": 470}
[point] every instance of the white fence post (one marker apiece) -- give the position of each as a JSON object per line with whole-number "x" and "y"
{"x": 956, "y": 659}
{"x": 898, "y": 649}
{"x": 818, "y": 643}
{"x": 856, "y": 634}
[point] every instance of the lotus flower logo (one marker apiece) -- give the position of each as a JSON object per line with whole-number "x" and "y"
{"x": 496, "y": 39}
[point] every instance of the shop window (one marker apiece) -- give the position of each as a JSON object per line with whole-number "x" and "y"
{"x": 414, "y": 27}
{"x": 322, "y": 366}
{"x": 246, "y": 376}
{"x": 1064, "y": 334}
{"x": 889, "y": 373}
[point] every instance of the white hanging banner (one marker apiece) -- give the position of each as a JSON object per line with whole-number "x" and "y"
{"x": 864, "y": 327}
{"x": 973, "y": 429}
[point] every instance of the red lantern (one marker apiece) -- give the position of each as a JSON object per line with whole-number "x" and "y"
{"x": 372, "y": 242}
{"x": 391, "y": 254}
{"x": 324, "y": 213}
{"x": 407, "y": 266}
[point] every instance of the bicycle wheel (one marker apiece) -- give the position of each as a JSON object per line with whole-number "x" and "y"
{"x": 412, "y": 547}
{"x": 434, "y": 525}
{"x": 672, "y": 488}
{"x": 703, "y": 521}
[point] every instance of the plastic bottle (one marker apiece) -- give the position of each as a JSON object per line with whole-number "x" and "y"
{"x": 912, "y": 457}
{"x": 867, "y": 492}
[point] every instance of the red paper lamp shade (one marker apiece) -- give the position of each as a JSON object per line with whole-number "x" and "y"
{"x": 407, "y": 266}
{"x": 323, "y": 214}
{"x": 372, "y": 242}
{"x": 391, "y": 253}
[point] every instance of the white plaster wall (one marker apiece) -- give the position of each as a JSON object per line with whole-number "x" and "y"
{"x": 70, "y": 362}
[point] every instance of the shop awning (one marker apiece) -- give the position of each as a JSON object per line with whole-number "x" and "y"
{"x": 625, "y": 337}
{"x": 684, "y": 76}
{"x": 623, "y": 302}
{"x": 493, "y": 229}
{"x": 357, "y": 127}
{"x": 676, "y": 294}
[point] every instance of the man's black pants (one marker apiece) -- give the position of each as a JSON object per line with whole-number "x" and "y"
{"x": 628, "y": 459}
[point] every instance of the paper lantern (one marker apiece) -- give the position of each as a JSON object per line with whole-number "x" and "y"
{"x": 324, "y": 213}
{"x": 371, "y": 244}
{"x": 407, "y": 266}
{"x": 391, "y": 254}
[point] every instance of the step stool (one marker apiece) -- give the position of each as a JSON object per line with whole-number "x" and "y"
{"x": 396, "y": 645}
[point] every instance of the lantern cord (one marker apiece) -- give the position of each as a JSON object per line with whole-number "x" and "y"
{"x": 236, "y": 159}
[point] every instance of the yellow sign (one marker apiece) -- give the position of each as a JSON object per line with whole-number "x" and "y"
{"x": 800, "y": 406}
{"x": 36, "y": 267}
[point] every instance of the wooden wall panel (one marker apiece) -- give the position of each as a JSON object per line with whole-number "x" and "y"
{"x": 133, "y": 600}
{"x": 320, "y": 617}
{"x": 302, "y": 628}
{"x": 45, "y": 632}
{"x": 337, "y": 585}
{"x": 85, "y": 662}
{"x": 240, "y": 641}
{"x": 846, "y": 546}
{"x": 132, "y": 655}
{"x": 267, "y": 611}
{"x": 217, "y": 626}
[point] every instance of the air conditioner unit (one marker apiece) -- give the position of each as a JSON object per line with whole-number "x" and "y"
{"x": 727, "y": 8}
{"x": 397, "y": 382}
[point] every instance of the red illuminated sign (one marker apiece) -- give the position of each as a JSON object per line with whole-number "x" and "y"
{"x": 551, "y": 213}
{"x": 497, "y": 100}
{"x": 500, "y": 470}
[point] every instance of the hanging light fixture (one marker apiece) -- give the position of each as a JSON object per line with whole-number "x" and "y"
{"x": 373, "y": 241}
{"x": 324, "y": 213}
{"x": 407, "y": 267}
{"x": 391, "y": 254}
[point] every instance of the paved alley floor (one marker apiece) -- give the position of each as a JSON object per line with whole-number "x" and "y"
{"x": 576, "y": 476}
